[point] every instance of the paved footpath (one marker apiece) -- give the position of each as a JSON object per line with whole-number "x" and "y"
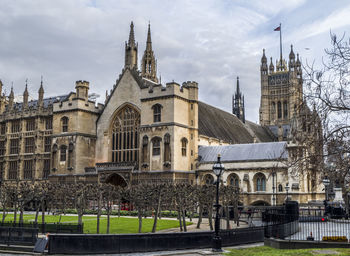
{"x": 194, "y": 252}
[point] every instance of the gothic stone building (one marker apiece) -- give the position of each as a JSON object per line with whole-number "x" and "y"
{"x": 147, "y": 131}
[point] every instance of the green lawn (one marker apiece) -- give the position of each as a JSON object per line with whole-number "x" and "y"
{"x": 117, "y": 226}
{"x": 268, "y": 251}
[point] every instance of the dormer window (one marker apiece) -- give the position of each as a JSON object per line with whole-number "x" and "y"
{"x": 64, "y": 123}
{"x": 157, "y": 110}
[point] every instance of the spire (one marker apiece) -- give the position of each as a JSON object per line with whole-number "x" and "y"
{"x": 149, "y": 40}
{"x": 41, "y": 93}
{"x": 291, "y": 54}
{"x": 149, "y": 63}
{"x": 237, "y": 88}
{"x": 131, "y": 50}
{"x": 272, "y": 67}
{"x": 238, "y": 103}
{"x": 263, "y": 58}
{"x": 25, "y": 96}
{"x": 131, "y": 35}
{"x": 11, "y": 98}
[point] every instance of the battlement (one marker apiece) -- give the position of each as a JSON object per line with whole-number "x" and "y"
{"x": 188, "y": 90}
{"x": 82, "y": 83}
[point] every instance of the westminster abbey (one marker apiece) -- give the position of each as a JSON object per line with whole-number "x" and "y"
{"x": 148, "y": 131}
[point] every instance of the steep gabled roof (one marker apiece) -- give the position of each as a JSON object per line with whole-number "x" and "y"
{"x": 216, "y": 123}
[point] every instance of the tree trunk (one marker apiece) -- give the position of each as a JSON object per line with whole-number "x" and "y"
{"x": 227, "y": 217}
{"x": 98, "y": 213}
{"x": 200, "y": 216}
{"x": 184, "y": 220}
{"x": 120, "y": 206}
{"x": 21, "y": 215}
{"x": 139, "y": 214}
{"x": 156, "y": 215}
{"x": 43, "y": 212}
{"x": 108, "y": 218}
{"x": 37, "y": 207}
{"x": 3, "y": 214}
{"x": 15, "y": 214}
{"x": 180, "y": 219}
{"x": 210, "y": 217}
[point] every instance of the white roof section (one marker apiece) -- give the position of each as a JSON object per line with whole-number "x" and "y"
{"x": 244, "y": 152}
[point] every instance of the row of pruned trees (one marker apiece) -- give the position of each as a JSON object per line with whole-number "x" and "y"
{"x": 144, "y": 198}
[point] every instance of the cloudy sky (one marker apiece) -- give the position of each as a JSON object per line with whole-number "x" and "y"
{"x": 208, "y": 41}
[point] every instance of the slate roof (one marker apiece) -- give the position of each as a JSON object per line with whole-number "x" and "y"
{"x": 46, "y": 102}
{"x": 243, "y": 152}
{"x": 216, "y": 123}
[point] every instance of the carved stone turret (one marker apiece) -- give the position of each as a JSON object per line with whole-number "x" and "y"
{"x": 11, "y": 99}
{"x": 131, "y": 50}
{"x": 149, "y": 64}
{"x": 25, "y": 97}
{"x": 41, "y": 95}
{"x": 82, "y": 89}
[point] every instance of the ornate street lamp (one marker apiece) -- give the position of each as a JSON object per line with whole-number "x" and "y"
{"x": 287, "y": 189}
{"x": 326, "y": 183}
{"x": 218, "y": 169}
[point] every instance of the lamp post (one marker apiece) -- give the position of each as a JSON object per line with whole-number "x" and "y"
{"x": 218, "y": 169}
{"x": 287, "y": 188}
{"x": 326, "y": 182}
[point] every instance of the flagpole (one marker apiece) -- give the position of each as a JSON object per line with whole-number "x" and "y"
{"x": 281, "y": 43}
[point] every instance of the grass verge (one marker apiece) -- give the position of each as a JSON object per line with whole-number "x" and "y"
{"x": 268, "y": 251}
{"x": 118, "y": 225}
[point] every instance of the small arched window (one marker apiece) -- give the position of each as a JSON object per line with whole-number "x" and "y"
{"x": 64, "y": 124}
{"x": 280, "y": 188}
{"x": 63, "y": 153}
{"x": 184, "y": 146}
{"x": 157, "y": 112}
{"x": 260, "y": 182}
{"x": 233, "y": 180}
{"x": 208, "y": 179}
{"x": 156, "y": 146}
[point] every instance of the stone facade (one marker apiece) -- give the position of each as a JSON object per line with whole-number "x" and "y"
{"x": 147, "y": 131}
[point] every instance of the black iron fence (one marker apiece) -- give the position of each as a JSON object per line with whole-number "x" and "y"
{"x": 48, "y": 227}
{"x": 18, "y": 235}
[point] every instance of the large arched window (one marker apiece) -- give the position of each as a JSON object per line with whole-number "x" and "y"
{"x": 279, "y": 109}
{"x": 64, "y": 124}
{"x": 125, "y": 135}
{"x": 260, "y": 182}
{"x": 157, "y": 113}
{"x": 156, "y": 146}
{"x": 184, "y": 146}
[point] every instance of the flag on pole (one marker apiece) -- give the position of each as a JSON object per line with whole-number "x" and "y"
{"x": 278, "y": 28}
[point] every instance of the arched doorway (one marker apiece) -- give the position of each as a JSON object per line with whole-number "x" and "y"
{"x": 260, "y": 203}
{"x": 116, "y": 180}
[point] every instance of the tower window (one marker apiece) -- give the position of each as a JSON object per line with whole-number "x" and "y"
{"x": 183, "y": 146}
{"x": 279, "y": 109}
{"x": 285, "y": 109}
{"x": 48, "y": 123}
{"x": 157, "y": 110}
{"x": 156, "y": 146}
{"x": 64, "y": 123}
{"x": 16, "y": 126}
{"x": 63, "y": 153}
{"x": 30, "y": 125}
{"x": 29, "y": 145}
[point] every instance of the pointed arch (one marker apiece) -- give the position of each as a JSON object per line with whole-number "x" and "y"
{"x": 124, "y": 134}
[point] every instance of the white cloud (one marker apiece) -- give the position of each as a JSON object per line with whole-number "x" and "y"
{"x": 208, "y": 41}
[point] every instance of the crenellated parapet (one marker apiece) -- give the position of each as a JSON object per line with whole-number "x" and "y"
{"x": 188, "y": 91}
